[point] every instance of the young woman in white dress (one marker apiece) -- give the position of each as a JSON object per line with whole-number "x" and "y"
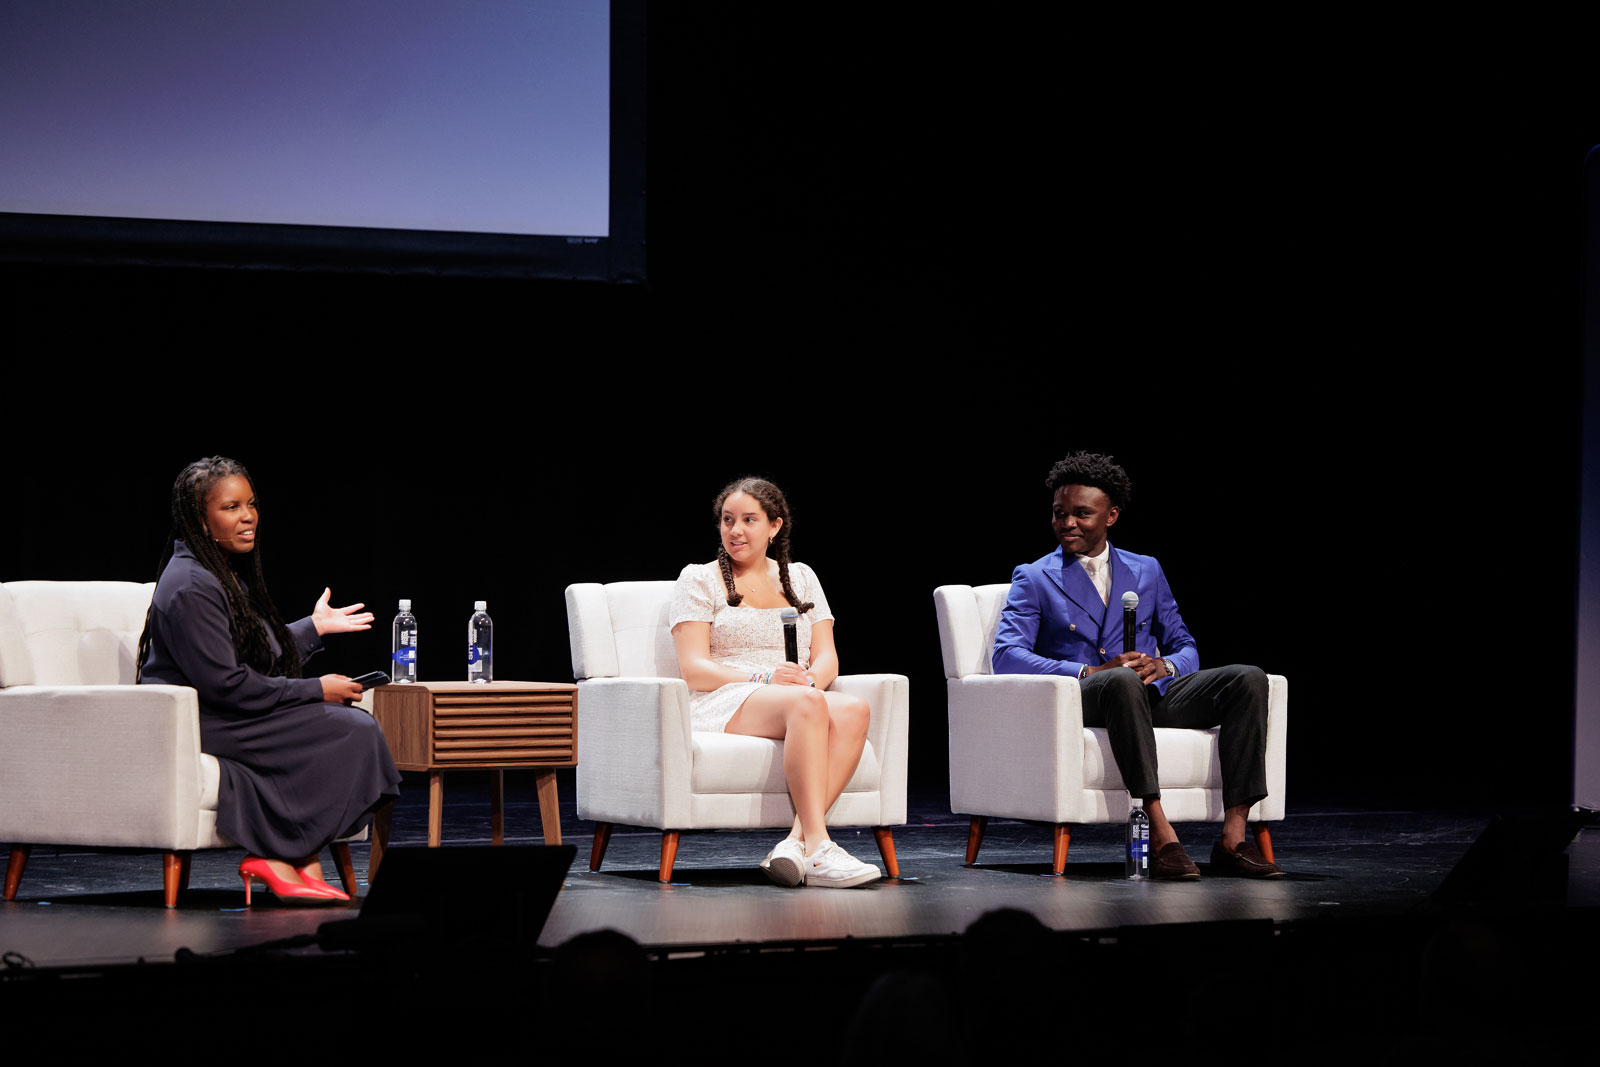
{"x": 728, "y": 632}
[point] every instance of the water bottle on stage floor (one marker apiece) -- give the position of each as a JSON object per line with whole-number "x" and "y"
{"x": 1138, "y": 841}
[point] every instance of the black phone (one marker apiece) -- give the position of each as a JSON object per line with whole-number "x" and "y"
{"x": 372, "y": 679}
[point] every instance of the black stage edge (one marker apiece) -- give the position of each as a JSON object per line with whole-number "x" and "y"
{"x": 1470, "y": 981}
{"x": 1396, "y": 935}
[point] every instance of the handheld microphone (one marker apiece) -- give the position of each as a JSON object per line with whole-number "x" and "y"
{"x": 791, "y": 637}
{"x": 1130, "y": 619}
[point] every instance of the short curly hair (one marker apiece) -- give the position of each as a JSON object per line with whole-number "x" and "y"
{"x": 1091, "y": 468}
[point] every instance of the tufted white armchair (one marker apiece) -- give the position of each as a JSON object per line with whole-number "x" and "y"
{"x": 1019, "y": 749}
{"x": 639, "y": 763}
{"x": 87, "y": 758}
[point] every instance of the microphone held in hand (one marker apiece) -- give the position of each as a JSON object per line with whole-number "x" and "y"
{"x": 1130, "y": 619}
{"x": 791, "y": 638}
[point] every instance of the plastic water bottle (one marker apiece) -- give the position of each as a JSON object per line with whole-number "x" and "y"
{"x": 480, "y": 644}
{"x": 1138, "y": 837}
{"x": 403, "y": 648}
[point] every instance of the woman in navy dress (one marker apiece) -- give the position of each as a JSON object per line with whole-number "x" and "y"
{"x": 299, "y": 766}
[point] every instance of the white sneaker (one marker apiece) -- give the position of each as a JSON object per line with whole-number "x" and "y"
{"x": 786, "y": 863}
{"x": 835, "y": 868}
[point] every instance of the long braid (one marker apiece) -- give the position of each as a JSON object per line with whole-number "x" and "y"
{"x": 189, "y": 494}
{"x": 783, "y": 572}
{"x": 735, "y": 598}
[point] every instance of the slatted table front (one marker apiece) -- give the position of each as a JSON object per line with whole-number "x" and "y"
{"x": 494, "y": 726}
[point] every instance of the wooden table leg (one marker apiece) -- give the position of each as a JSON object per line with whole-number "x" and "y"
{"x": 549, "y": 807}
{"x": 380, "y": 840}
{"x": 497, "y": 806}
{"x": 435, "y": 808}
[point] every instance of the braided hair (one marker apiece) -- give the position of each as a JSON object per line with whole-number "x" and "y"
{"x": 249, "y": 616}
{"x": 770, "y": 497}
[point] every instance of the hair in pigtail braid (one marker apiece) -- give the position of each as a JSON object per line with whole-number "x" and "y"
{"x": 783, "y": 573}
{"x": 734, "y": 596}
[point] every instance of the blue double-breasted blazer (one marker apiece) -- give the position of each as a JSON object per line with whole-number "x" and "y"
{"x": 1054, "y": 622}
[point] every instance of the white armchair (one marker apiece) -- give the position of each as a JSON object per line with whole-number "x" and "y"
{"x": 1019, "y": 749}
{"x": 639, "y": 763}
{"x": 87, "y": 758}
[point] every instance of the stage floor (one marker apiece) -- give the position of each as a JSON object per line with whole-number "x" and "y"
{"x": 88, "y": 909}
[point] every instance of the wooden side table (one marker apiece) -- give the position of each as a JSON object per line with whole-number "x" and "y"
{"x": 495, "y": 726}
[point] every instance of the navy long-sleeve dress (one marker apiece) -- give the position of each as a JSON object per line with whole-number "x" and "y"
{"x": 297, "y": 772}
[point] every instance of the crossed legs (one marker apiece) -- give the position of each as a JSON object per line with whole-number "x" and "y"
{"x": 823, "y": 735}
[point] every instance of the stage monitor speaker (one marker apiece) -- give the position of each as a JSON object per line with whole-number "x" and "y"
{"x": 1516, "y": 859}
{"x": 488, "y": 894}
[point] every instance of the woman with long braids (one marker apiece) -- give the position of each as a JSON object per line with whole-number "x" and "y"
{"x": 728, "y": 632}
{"x": 299, "y": 768}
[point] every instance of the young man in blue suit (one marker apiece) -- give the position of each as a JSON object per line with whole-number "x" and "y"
{"x": 1064, "y": 616}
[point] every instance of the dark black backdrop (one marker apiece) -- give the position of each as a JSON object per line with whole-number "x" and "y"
{"x": 1320, "y": 309}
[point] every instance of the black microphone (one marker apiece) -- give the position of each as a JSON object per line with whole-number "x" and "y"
{"x": 1130, "y": 619}
{"x": 791, "y": 638}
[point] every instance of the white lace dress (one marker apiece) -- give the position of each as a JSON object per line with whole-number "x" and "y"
{"x": 746, "y": 639}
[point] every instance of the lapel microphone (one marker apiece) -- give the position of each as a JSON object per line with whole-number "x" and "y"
{"x": 1130, "y": 616}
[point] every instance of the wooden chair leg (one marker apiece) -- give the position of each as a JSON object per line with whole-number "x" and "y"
{"x": 184, "y": 863}
{"x": 347, "y": 869}
{"x": 885, "y": 838}
{"x": 975, "y": 837}
{"x": 602, "y": 838}
{"x": 381, "y": 821}
{"x": 669, "y": 853}
{"x": 171, "y": 875}
{"x": 1058, "y": 862}
{"x": 14, "y": 866}
{"x": 1263, "y": 842}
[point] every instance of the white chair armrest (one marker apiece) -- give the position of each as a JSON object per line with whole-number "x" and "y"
{"x": 1277, "y": 749}
{"x": 634, "y": 752}
{"x": 889, "y": 697}
{"x": 1016, "y": 746}
{"x": 109, "y": 765}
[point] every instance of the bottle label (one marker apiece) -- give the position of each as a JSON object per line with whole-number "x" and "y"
{"x": 474, "y": 654}
{"x": 405, "y": 655}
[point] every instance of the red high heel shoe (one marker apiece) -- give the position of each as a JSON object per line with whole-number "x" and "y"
{"x": 286, "y": 892}
{"x": 317, "y": 883}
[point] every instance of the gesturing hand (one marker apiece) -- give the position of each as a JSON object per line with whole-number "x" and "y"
{"x": 329, "y": 620}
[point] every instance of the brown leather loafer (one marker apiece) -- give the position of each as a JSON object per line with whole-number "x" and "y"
{"x": 1244, "y": 862}
{"x": 1172, "y": 863}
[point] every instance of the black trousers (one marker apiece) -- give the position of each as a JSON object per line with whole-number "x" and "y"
{"x": 1234, "y": 698}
